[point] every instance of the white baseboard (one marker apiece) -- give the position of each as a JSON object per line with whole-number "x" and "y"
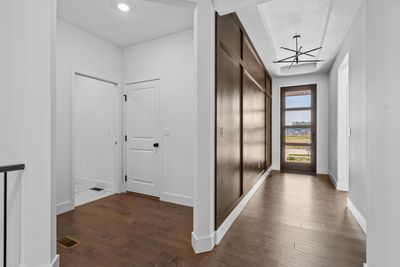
{"x": 338, "y": 186}
{"x": 202, "y": 244}
{"x": 333, "y": 179}
{"x": 177, "y": 199}
{"x": 357, "y": 214}
{"x": 342, "y": 187}
{"x": 275, "y": 168}
{"x": 223, "y": 229}
{"x": 64, "y": 207}
{"x": 207, "y": 243}
{"x": 365, "y": 265}
{"x": 323, "y": 171}
{"x": 54, "y": 263}
{"x": 106, "y": 185}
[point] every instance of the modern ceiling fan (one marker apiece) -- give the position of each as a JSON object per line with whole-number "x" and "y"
{"x": 298, "y": 53}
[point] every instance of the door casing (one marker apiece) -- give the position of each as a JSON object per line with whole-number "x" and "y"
{"x": 343, "y": 126}
{"x": 300, "y": 167}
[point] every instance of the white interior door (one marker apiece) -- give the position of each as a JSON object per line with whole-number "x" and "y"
{"x": 143, "y": 155}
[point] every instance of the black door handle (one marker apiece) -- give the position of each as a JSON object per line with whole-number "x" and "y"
{"x": 156, "y": 145}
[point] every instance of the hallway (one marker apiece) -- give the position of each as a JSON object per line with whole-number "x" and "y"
{"x": 293, "y": 220}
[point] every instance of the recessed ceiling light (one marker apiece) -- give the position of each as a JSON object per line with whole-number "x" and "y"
{"x": 123, "y": 7}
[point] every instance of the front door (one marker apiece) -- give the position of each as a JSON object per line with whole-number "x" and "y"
{"x": 298, "y": 128}
{"x": 143, "y": 155}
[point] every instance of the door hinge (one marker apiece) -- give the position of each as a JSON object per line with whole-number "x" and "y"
{"x": 126, "y": 98}
{"x": 126, "y": 138}
{"x": 126, "y": 178}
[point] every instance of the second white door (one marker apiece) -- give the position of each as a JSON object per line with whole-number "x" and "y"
{"x": 143, "y": 131}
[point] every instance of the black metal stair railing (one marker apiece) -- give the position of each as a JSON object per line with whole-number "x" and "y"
{"x": 5, "y": 170}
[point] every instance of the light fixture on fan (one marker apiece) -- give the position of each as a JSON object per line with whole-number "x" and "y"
{"x": 296, "y": 58}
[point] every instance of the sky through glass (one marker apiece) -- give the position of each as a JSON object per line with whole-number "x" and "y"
{"x": 293, "y": 117}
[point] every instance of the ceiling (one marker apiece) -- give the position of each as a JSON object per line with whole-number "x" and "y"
{"x": 148, "y": 20}
{"x": 269, "y": 23}
{"x": 273, "y": 23}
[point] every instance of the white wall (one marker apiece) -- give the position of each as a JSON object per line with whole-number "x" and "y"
{"x": 383, "y": 127}
{"x": 91, "y": 55}
{"x": 355, "y": 45}
{"x": 12, "y": 114}
{"x": 322, "y": 116}
{"x": 204, "y": 184}
{"x": 171, "y": 59}
{"x": 27, "y": 40}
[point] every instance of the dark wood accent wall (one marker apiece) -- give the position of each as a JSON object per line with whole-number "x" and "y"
{"x": 243, "y": 116}
{"x": 228, "y": 134}
{"x": 254, "y": 143}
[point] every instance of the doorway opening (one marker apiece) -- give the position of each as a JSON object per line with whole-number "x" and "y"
{"x": 298, "y": 128}
{"x": 344, "y": 130}
{"x": 119, "y": 127}
{"x": 94, "y": 137}
{"x": 120, "y": 133}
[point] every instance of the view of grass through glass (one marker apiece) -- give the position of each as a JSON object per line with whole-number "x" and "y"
{"x": 298, "y": 118}
{"x": 298, "y": 154}
{"x": 298, "y": 135}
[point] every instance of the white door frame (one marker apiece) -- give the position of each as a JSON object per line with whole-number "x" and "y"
{"x": 125, "y": 130}
{"x": 118, "y": 130}
{"x": 343, "y": 123}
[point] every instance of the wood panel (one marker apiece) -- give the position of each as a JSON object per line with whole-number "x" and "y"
{"x": 242, "y": 87}
{"x": 268, "y": 119}
{"x": 254, "y": 132}
{"x": 268, "y": 84}
{"x": 230, "y": 36}
{"x": 228, "y": 139}
{"x": 252, "y": 63}
{"x": 268, "y": 131}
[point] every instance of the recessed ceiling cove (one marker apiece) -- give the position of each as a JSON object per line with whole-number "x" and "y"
{"x": 287, "y": 18}
{"x": 321, "y": 23}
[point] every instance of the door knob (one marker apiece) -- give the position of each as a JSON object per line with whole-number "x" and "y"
{"x": 156, "y": 145}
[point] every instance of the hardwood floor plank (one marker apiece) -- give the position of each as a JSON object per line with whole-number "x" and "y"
{"x": 292, "y": 221}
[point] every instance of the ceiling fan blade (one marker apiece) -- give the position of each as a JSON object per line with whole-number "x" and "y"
{"x": 301, "y": 53}
{"x": 288, "y": 49}
{"x": 306, "y": 54}
{"x": 312, "y": 50}
{"x": 179, "y": 3}
{"x": 280, "y": 61}
{"x": 300, "y": 61}
{"x": 310, "y": 61}
{"x": 292, "y": 63}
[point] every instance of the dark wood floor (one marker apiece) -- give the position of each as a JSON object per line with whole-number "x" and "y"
{"x": 293, "y": 220}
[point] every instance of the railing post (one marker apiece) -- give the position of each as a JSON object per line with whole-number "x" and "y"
{"x": 5, "y": 222}
{"x": 5, "y": 170}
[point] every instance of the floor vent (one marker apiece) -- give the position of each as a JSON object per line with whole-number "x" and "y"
{"x": 98, "y": 189}
{"x": 67, "y": 242}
